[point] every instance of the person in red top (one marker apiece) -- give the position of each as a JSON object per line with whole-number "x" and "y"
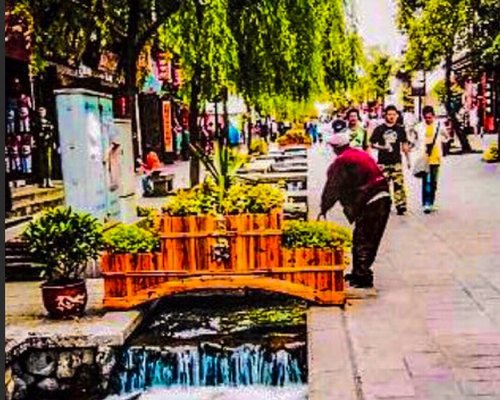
{"x": 356, "y": 181}
{"x": 152, "y": 163}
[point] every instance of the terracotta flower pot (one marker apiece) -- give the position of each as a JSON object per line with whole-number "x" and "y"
{"x": 64, "y": 299}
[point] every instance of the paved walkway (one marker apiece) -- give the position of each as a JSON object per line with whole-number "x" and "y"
{"x": 433, "y": 332}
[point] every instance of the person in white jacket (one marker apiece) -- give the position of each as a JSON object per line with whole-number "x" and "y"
{"x": 430, "y": 134}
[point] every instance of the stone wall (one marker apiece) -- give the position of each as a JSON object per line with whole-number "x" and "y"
{"x": 79, "y": 373}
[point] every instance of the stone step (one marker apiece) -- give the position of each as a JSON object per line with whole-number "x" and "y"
{"x": 23, "y": 272}
{"x": 19, "y": 264}
{"x": 27, "y": 207}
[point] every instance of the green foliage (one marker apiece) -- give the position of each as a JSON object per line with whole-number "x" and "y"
{"x": 148, "y": 220}
{"x": 239, "y": 198}
{"x": 130, "y": 239}
{"x": 201, "y": 199}
{"x": 294, "y": 136}
{"x": 145, "y": 211}
{"x": 434, "y": 30}
{"x": 253, "y": 199}
{"x": 201, "y": 36}
{"x": 259, "y": 146}
{"x": 318, "y": 234}
{"x": 439, "y": 90}
{"x": 223, "y": 166}
{"x": 380, "y": 68}
{"x": 64, "y": 241}
{"x": 491, "y": 154}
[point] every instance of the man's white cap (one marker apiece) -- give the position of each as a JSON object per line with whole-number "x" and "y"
{"x": 340, "y": 139}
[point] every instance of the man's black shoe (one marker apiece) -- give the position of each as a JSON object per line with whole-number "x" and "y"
{"x": 359, "y": 281}
{"x": 401, "y": 211}
{"x": 361, "y": 285}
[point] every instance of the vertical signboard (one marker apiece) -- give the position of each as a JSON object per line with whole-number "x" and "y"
{"x": 168, "y": 139}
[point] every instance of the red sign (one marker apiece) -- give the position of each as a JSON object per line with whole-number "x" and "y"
{"x": 164, "y": 67}
{"x": 168, "y": 139}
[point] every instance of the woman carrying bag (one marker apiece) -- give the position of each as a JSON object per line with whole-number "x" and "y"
{"x": 431, "y": 134}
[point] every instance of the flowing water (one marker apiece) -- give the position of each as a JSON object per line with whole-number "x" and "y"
{"x": 218, "y": 347}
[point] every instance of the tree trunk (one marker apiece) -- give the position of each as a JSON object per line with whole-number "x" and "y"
{"x": 249, "y": 124}
{"x": 131, "y": 69}
{"x": 194, "y": 132}
{"x": 462, "y": 137}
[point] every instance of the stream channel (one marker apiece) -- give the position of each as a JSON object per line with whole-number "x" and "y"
{"x": 224, "y": 346}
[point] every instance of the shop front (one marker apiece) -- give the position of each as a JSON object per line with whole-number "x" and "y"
{"x": 20, "y": 140}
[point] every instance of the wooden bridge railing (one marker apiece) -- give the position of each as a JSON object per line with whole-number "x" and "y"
{"x": 240, "y": 251}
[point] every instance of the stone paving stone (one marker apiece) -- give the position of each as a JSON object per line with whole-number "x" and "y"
{"x": 438, "y": 388}
{"x": 330, "y": 386}
{"x": 387, "y": 383}
{"x": 485, "y": 388}
{"x": 427, "y": 364}
{"x": 329, "y": 362}
{"x": 477, "y": 374}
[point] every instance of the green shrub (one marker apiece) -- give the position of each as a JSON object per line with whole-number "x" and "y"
{"x": 254, "y": 199}
{"x": 146, "y": 211}
{"x": 319, "y": 234}
{"x": 130, "y": 239}
{"x": 202, "y": 199}
{"x": 238, "y": 199}
{"x": 259, "y": 146}
{"x": 148, "y": 215}
{"x": 64, "y": 241}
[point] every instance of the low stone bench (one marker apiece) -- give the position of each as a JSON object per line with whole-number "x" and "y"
{"x": 163, "y": 184}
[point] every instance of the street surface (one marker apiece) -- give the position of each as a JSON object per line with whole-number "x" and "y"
{"x": 433, "y": 331}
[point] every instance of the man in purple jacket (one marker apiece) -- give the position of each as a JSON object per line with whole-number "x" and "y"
{"x": 356, "y": 181}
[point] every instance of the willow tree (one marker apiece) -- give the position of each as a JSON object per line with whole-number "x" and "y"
{"x": 292, "y": 51}
{"x": 200, "y": 35}
{"x": 266, "y": 48}
{"x": 435, "y": 32}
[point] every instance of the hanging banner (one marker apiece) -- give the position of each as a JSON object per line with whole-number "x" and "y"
{"x": 168, "y": 139}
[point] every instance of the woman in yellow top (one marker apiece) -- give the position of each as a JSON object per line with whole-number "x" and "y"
{"x": 431, "y": 134}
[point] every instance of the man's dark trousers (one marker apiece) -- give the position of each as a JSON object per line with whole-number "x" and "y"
{"x": 368, "y": 231}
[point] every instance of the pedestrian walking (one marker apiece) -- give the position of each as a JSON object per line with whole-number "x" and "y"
{"x": 390, "y": 140}
{"x": 431, "y": 135}
{"x": 359, "y": 138}
{"x": 355, "y": 180}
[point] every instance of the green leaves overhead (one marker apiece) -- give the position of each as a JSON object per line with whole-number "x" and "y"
{"x": 437, "y": 28}
{"x": 293, "y": 49}
{"x": 201, "y": 36}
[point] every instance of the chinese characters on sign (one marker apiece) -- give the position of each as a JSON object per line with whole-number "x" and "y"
{"x": 167, "y": 127}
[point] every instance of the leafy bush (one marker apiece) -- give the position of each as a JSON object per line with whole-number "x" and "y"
{"x": 259, "y": 146}
{"x": 130, "y": 239}
{"x": 319, "y": 234}
{"x": 254, "y": 199}
{"x": 146, "y": 211}
{"x": 294, "y": 136}
{"x": 238, "y": 199}
{"x": 202, "y": 199}
{"x": 148, "y": 220}
{"x": 64, "y": 241}
{"x": 491, "y": 153}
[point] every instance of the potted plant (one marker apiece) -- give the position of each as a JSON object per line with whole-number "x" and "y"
{"x": 64, "y": 240}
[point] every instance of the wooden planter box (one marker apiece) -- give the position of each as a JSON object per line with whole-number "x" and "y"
{"x": 235, "y": 252}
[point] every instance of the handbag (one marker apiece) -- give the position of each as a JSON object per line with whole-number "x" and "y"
{"x": 421, "y": 165}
